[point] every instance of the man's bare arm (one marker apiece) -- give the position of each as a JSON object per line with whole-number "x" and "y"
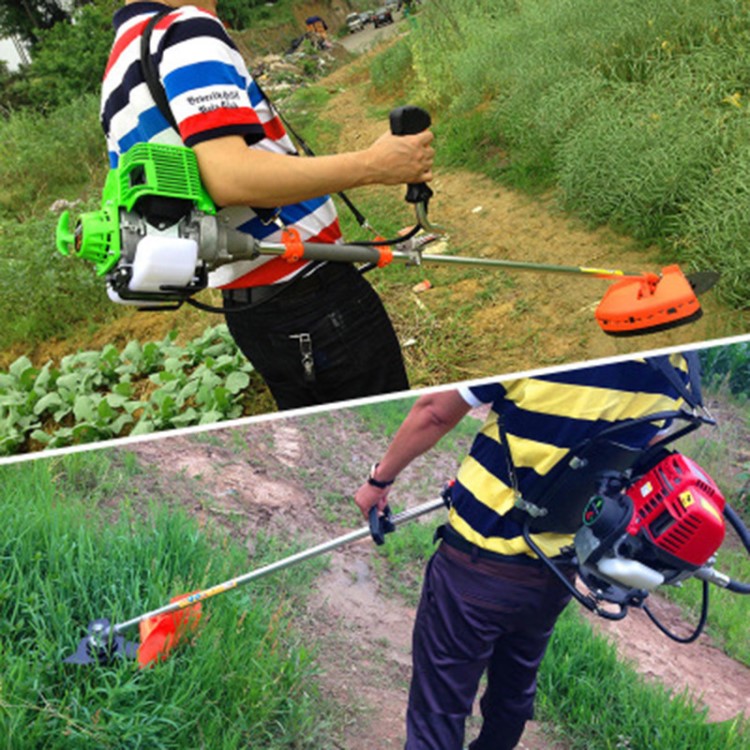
{"x": 236, "y": 175}
{"x": 432, "y": 416}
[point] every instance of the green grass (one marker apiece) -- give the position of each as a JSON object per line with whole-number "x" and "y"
{"x": 46, "y": 158}
{"x": 246, "y": 679}
{"x": 302, "y": 110}
{"x": 636, "y": 116}
{"x": 597, "y": 701}
{"x": 727, "y": 614}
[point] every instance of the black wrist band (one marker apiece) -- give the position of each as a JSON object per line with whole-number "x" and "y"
{"x": 376, "y": 482}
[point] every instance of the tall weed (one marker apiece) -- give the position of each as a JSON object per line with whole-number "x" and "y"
{"x": 43, "y": 158}
{"x": 43, "y": 294}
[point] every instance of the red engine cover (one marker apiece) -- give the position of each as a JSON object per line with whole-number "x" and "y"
{"x": 680, "y": 509}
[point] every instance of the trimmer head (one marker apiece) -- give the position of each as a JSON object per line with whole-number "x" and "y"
{"x": 648, "y": 303}
{"x": 102, "y": 647}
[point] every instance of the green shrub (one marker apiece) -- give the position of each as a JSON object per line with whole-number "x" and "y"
{"x": 45, "y": 158}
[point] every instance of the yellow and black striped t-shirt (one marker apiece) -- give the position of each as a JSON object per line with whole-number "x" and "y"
{"x": 543, "y": 418}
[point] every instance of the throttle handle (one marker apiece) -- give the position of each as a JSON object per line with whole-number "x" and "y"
{"x": 410, "y": 120}
{"x": 380, "y": 525}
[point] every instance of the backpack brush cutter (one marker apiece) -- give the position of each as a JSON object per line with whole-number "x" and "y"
{"x": 661, "y": 528}
{"x": 640, "y": 518}
{"x": 660, "y": 521}
{"x": 158, "y": 235}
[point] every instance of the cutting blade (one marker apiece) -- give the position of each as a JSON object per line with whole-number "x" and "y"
{"x": 702, "y": 281}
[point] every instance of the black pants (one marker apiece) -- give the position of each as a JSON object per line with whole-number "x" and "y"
{"x": 325, "y": 338}
{"x": 478, "y": 615}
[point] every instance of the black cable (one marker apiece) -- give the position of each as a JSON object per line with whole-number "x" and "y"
{"x": 587, "y": 601}
{"x": 699, "y": 628}
{"x": 731, "y": 515}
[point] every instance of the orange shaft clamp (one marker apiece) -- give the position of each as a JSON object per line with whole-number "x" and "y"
{"x": 292, "y": 241}
{"x": 386, "y": 254}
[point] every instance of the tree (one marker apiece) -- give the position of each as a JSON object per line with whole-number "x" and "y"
{"x": 26, "y": 18}
{"x": 68, "y": 60}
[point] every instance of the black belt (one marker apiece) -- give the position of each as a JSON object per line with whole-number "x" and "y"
{"x": 325, "y": 275}
{"x": 453, "y": 539}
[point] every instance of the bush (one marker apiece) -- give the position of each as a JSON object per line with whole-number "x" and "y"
{"x": 389, "y": 70}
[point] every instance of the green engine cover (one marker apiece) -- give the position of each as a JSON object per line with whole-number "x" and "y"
{"x": 147, "y": 169}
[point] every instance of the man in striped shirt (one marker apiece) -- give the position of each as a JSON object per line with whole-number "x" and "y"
{"x": 316, "y": 332}
{"x": 488, "y": 603}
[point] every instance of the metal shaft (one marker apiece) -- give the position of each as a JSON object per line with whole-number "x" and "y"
{"x": 359, "y": 254}
{"x": 320, "y": 549}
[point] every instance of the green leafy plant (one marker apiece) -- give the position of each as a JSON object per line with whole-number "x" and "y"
{"x": 97, "y": 395}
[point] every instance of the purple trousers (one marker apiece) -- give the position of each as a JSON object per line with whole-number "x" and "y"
{"x": 478, "y": 615}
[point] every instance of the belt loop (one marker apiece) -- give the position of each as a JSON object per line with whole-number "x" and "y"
{"x": 306, "y": 355}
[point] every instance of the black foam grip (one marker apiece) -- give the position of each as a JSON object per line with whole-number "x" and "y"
{"x": 410, "y": 120}
{"x": 380, "y": 525}
{"x": 375, "y": 532}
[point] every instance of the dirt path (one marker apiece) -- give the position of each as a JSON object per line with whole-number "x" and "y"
{"x": 292, "y": 477}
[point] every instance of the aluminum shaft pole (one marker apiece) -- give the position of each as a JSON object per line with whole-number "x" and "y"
{"x": 320, "y": 549}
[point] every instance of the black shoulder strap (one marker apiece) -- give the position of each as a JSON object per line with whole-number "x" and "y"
{"x": 565, "y": 482}
{"x": 690, "y": 391}
{"x": 151, "y": 74}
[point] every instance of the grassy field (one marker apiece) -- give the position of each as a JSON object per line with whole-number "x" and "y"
{"x": 636, "y": 116}
{"x": 75, "y": 549}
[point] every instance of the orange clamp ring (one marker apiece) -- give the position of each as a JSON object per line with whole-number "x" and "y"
{"x": 385, "y": 254}
{"x": 291, "y": 240}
